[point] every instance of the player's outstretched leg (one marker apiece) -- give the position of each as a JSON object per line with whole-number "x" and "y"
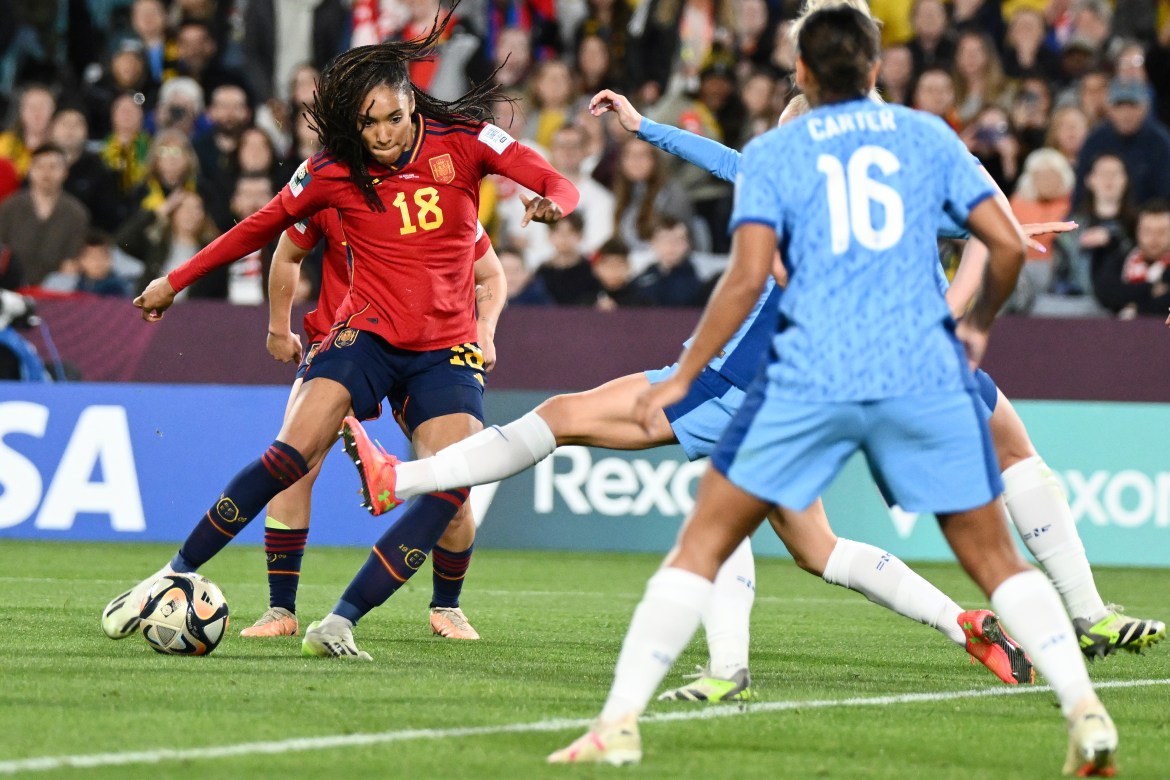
{"x": 726, "y": 622}
{"x": 1040, "y": 512}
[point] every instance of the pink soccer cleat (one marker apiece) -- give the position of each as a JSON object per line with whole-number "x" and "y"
{"x": 375, "y": 467}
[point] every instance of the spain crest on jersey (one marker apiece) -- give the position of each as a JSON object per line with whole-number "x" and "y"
{"x": 442, "y": 168}
{"x": 345, "y": 337}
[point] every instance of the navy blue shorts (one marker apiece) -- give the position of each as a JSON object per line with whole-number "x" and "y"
{"x": 419, "y": 385}
{"x": 307, "y": 360}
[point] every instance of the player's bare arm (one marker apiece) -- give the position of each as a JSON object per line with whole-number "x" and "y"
{"x": 491, "y": 295}
{"x": 283, "y": 276}
{"x": 995, "y": 227}
{"x": 752, "y": 250}
{"x": 608, "y": 100}
{"x": 970, "y": 271}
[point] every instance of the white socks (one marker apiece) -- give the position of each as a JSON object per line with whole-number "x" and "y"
{"x": 728, "y": 614}
{"x": 1029, "y": 607}
{"x": 887, "y": 581}
{"x": 488, "y": 456}
{"x": 1040, "y": 512}
{"x": 663, "y": 624}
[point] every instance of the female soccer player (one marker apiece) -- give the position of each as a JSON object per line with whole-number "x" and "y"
{"x": 286, "y": 524}
{"x": 403, "y": 171}
{"x": 864, "y": 358}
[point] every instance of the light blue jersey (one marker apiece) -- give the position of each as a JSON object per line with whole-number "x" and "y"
{"x": 854, "y": 191}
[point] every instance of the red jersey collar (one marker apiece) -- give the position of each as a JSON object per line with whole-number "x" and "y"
{"x": 407, "y": 157}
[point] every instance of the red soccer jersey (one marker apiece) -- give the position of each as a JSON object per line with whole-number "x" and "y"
{"x": 335, "y": 266}
{"x": 412, "y": 280}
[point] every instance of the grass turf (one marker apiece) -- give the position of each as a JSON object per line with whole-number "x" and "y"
{"x": 552, "y": 626}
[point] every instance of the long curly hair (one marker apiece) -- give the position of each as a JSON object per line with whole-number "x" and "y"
{"x": 350, "y": 76}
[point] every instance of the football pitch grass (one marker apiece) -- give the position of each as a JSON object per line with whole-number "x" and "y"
{"x": 846, "y": 689}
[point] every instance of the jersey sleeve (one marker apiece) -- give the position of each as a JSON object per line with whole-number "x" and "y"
{"x": 965, "y": 186}
{"x": 246, "y": 237}
{"x": 306, "y": 234}
{"x": 307, "y": 192}
{"x": 482, "y": 242}
{"x": 500, "y": 154}
{"x": 712, "y": 156}
{"x": 757, "y": 196}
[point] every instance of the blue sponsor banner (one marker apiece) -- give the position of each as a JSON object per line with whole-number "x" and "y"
{"x": 143, "y": 462}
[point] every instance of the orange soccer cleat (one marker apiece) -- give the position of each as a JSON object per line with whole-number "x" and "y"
{"x": 990, "y": 645}
{"x": 375, "y": 467}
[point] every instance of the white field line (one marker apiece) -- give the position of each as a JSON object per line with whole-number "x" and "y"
{"x": 304, "y": 744}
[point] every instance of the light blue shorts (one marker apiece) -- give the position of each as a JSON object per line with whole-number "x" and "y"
{"x": 928, "y": 453}
{"x": 701, "y": 418}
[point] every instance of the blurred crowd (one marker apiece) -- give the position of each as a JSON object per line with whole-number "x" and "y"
{"x": 138, "y": 130}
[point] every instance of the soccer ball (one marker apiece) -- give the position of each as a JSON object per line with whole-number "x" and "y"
{"x": 184, "y": 614}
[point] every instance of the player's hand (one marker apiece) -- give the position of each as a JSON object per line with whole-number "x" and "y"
{"x": 487, "y": 344}
{"x": 285, "y": 347}
{"x": 974, "y": 342}
{"x": 155, "y": 299}
{"x": 654, "y": 399}
{"x": 537, "y": 209}
{"x": 1044, "y": 228}
{"x": 608, "y": 100}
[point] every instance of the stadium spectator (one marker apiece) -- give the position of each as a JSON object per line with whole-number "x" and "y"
{"x": 43, "y": 224}
{"x": 229, "y": 114}
{"x": 567, "y": 275}
{"x": 180, "y": 107}
{"x": 278, "y": 117}
{"x": 985, "y": 16}
{"x": 932, "y": 45}
{"x": 672, "y": 279}
{"x": 611, "y": 268}
{"x": 89, "y": 180}
{"x": 198, "y": 57}
{"x": 594, "y": 65}
{"x": 1136, "y": 137}
{"x": 536, "y": 18}
{"x": 1138, "y": 282}
{"x": 459, "y": 59}
{"x": 255, "y": 154}
{"x": 643, "y": 195}
{"x": 990, "y": 138}
{"x": 35, "y": 107}
{"x": 95, "y": 269}
{"x": 1091, "y": 23}
{"x": 1031, "y": 108}
{"x": 1067, "y": 130}
{"x": 978, "y": 75}
{"x": 248, "y": 276}
{"x": 755, "y": 34}
{"x": 1078, "y": 58}
{"x": 783, "y": 57}
{"x": 552, "y": 98}
{"x": 280, "y": 37}
{"x": 171, "y": 165}
{"x": 934, "y": 93}
{"x": 1105, "y": 223}
{"x": 168, "y": 236}
{"x": 1092, "y": 96}
{"x": 896, "y": 76}
{"x": 512, "y": 57}
{"x": 675, "y": 41}
{"x": 758, "y": 93}
{"x": 524, "y": 287}
{"x": 125, "y": 74}
{"x": 148, "y": 20}
{"x": 1024, "y": 52}
{"x": 1043, "y": 194}
{"x": 126, "y": 150}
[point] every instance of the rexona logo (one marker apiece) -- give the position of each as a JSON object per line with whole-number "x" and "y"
{"x": 1125, "y": 499}
{"x": 100, "y": 443}
{"x": 614, "y": 485}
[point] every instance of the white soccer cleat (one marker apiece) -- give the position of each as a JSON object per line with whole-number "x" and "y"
{"x": 332, "y": 639}
{"x": 1092, "y": 741}
{"x": 121, "y": 616}
{"x": 617, "y": 743}
{"x": 705, "y": 687}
